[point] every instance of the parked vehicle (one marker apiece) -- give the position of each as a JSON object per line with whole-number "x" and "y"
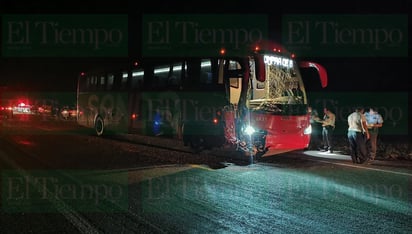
{"x": 68, "y": 112}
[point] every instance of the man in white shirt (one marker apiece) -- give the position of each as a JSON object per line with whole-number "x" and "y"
{"x": 357, "y": 132}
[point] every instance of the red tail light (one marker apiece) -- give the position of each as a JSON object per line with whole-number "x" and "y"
{"x": 215, "y": 120}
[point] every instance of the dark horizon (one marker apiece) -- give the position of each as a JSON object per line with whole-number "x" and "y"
{"x": 345, "y": 74}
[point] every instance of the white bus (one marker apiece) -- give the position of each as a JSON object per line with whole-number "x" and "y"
{"x": 256, "y": 102}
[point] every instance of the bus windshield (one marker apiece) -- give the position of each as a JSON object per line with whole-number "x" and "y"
{"x": 282, "y": 85}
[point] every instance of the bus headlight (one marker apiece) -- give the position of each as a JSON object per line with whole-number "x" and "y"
{"x": 249, "y": 130}
{"x": 308, "y": 130}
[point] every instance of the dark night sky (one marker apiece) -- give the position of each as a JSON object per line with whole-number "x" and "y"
{"x": 345, "y": 74}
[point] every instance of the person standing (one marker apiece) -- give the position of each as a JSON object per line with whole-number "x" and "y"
{"x": 328, "y": 126}
{"x": 316, "y": 129}
{"x": 357, "y": 131}
{"x": 374, "y": 121}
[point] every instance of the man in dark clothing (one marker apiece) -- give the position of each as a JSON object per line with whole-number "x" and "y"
{"x": 315, "y": 137}
{"x": 328, "y": 126}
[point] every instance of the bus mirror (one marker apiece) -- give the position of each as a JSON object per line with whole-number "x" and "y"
{"x": 320, "y": 69}
{"x": 260, "y": 68}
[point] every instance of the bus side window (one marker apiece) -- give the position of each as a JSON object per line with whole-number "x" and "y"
{"x": 234, "y": 69}
{"x": 117, "y": 81}
{"x": 110, "y": 81}
{"x": 191, "y": 81}
{"x": 93, "y": 82}
{"x": 90, "y": 83}
{"x": 102, "y": 83}
{"x": 258, "y": 86}
{"x": 161, "y": 76}
{"x": 175, "y": 78}
{"x": 124, "y": 79}
{"x": 206, "y": 75}
{"x": 137, "y": 79}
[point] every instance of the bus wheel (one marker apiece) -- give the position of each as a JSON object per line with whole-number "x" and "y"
{"x": 99, "y": 125}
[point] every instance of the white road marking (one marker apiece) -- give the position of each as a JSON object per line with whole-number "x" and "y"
{"x": 347, "y": 157}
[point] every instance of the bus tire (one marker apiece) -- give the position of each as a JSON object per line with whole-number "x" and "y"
{"x": 99, "y": 125}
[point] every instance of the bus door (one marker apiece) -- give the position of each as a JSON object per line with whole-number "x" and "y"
{"x": 257, "y": 87}
{"x": 234, "y": 88}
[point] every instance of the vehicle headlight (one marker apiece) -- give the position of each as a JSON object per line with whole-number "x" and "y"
{"x": 308, "y": 130}
{"x": 249, "y": 130}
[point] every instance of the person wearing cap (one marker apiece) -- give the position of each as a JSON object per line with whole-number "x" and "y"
{"x": 374, "y": 121}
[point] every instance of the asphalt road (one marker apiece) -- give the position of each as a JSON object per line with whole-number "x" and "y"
{"x": 58, "y": 178}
